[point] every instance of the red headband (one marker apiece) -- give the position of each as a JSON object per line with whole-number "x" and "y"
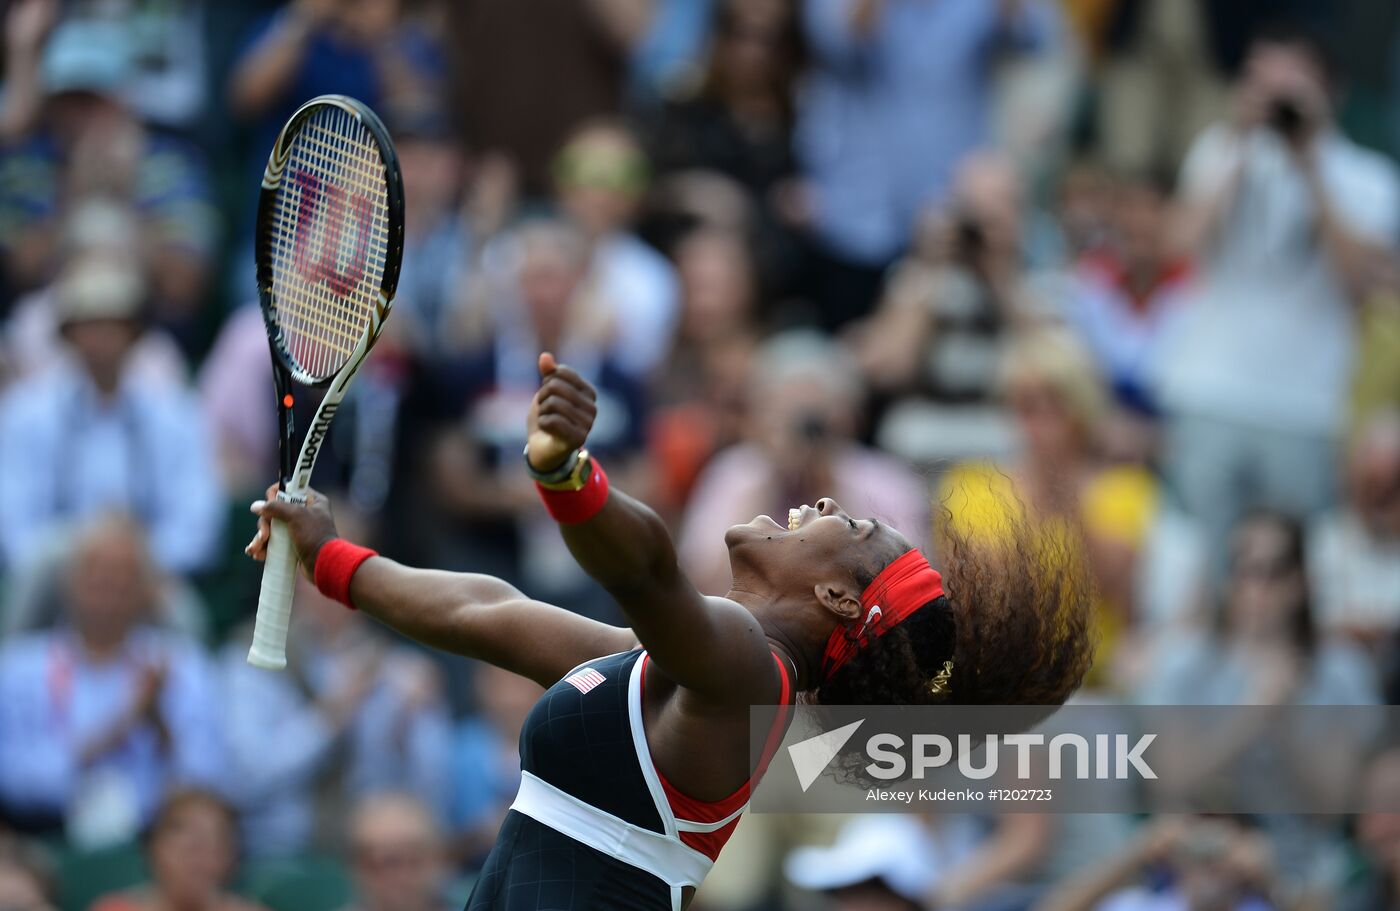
{"x": 902, "y": 588}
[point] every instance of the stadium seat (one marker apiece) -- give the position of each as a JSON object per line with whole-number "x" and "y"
{"x": 309, "y": 884}
{"x": 85, "y": 876}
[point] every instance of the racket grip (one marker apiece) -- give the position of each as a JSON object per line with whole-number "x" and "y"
{"x": 279, "y": 581}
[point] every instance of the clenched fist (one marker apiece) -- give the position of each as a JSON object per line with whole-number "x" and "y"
{"x": 561, "y": 415}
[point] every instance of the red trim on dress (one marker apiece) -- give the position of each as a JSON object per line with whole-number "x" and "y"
{"x": 690, "y": 809}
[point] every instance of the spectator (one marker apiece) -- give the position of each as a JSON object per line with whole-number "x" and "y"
{"x": 353, "y": 715}
{"x": 35, "y": 594}
{"x": 878, "y": 863}
{"x": 486, "y": 760}
{"x": 1283, "y": 210}
{"x": 1208, "y": 864}
{"x": 800, "y": 445}
{"x": 88, "y": 142}
{"x": 396, "y": 855}
{"x": 1129, "y": 288}
{"x": 90, "y": 228}
{"x": 317, "y": 47}
{"x": 883, "y": 123}
{"x": 1356, "y": 550}
{"x": 439, "y": 242}
{"x": 169, "y": 88}
{"x": 1095, "y": 510}
{"x": 941, "y": 861}
{"x": 1266, "y": 650}
{"x": 101, "y": 714}
{"x": 26, "y": 877}
{"x": 601, "y": 174}
{"x": 1160, "y": 80}
{"x": 537, "y": 298}
{"x": 738, "y": 118}
{"x": 192, "y": 849}
{"x": 894, "y": 863}
{"x": 85, "y": 438}
{"x": 575, "y": 71}
{"x": 1378, "y": 837}
{"x": 944, "y": 321}
{"x": 699, "y": 395}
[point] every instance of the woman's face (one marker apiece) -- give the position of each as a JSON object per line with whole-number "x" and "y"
{"x": 601, "y": 177}
{"x": 192, "y": 854}
{"x": 746, "y": 50}
{"x": 717, "y": 285}
{"x": 824, "y": 549}
{"x": 1266, "y": 584}
{"x": 1045, "y": 423}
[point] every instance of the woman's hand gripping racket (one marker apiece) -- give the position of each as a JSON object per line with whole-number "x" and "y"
{"x": 329, "y": 244}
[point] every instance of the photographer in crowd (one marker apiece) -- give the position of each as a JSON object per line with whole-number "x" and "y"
{"x": 1282, "y": 210}
{"x": 935, "y": 345}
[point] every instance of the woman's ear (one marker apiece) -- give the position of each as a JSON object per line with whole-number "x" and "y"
{"x": 839, "y": 600}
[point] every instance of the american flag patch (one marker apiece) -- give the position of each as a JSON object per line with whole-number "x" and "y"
{"x": 584, "y": 680}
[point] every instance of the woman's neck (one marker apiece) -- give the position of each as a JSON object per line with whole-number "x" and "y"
{"x": 805, "y": 657}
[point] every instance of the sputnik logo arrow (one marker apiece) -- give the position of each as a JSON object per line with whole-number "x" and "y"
{"x": 811, "y": 756}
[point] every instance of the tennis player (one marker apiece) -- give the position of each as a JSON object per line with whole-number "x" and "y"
{"x": 636, "y": 762}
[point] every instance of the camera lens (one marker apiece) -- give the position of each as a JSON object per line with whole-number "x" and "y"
{"x": 1286, "y": 116}
{"x": 813, "y": 428}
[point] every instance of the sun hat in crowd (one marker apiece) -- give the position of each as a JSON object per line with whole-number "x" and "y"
{"x": 87, "y": 56}
{"x": 895, "y": 850}
{"x": 97, "y": 288}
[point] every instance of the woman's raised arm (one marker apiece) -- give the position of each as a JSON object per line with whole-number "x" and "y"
{"x": 468, "y": 614}
{"x": 711, "y": 646}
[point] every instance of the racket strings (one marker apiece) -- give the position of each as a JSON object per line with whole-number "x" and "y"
{"x": 330, "y": 241}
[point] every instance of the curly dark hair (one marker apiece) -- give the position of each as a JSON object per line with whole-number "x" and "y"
{"x": 1015, "y": 623}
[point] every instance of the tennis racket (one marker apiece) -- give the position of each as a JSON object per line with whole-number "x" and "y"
{"x": 329, "y": 244}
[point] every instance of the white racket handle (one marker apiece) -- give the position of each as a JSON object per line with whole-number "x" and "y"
{"x": 279, "y": 579}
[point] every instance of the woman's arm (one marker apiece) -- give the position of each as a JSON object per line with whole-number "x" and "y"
{"x": 711, "y": 646}
{"x": 468, "y": 614}
{"x": 483, "y": 617}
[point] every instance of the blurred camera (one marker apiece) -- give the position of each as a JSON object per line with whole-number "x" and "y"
{"x": 1286, "y": 117}
{"x": 972, "y": 239}
{"x": 813, "y": 428}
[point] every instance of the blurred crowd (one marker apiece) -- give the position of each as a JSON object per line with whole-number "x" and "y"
{"x": 1129, "y": 267}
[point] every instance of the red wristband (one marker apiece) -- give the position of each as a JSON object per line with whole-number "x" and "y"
{"x": 336, "y": 563}
{"x": 570, "y": 507}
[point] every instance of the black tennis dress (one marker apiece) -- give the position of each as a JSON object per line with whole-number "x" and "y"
{"x": 595, "y": 826}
